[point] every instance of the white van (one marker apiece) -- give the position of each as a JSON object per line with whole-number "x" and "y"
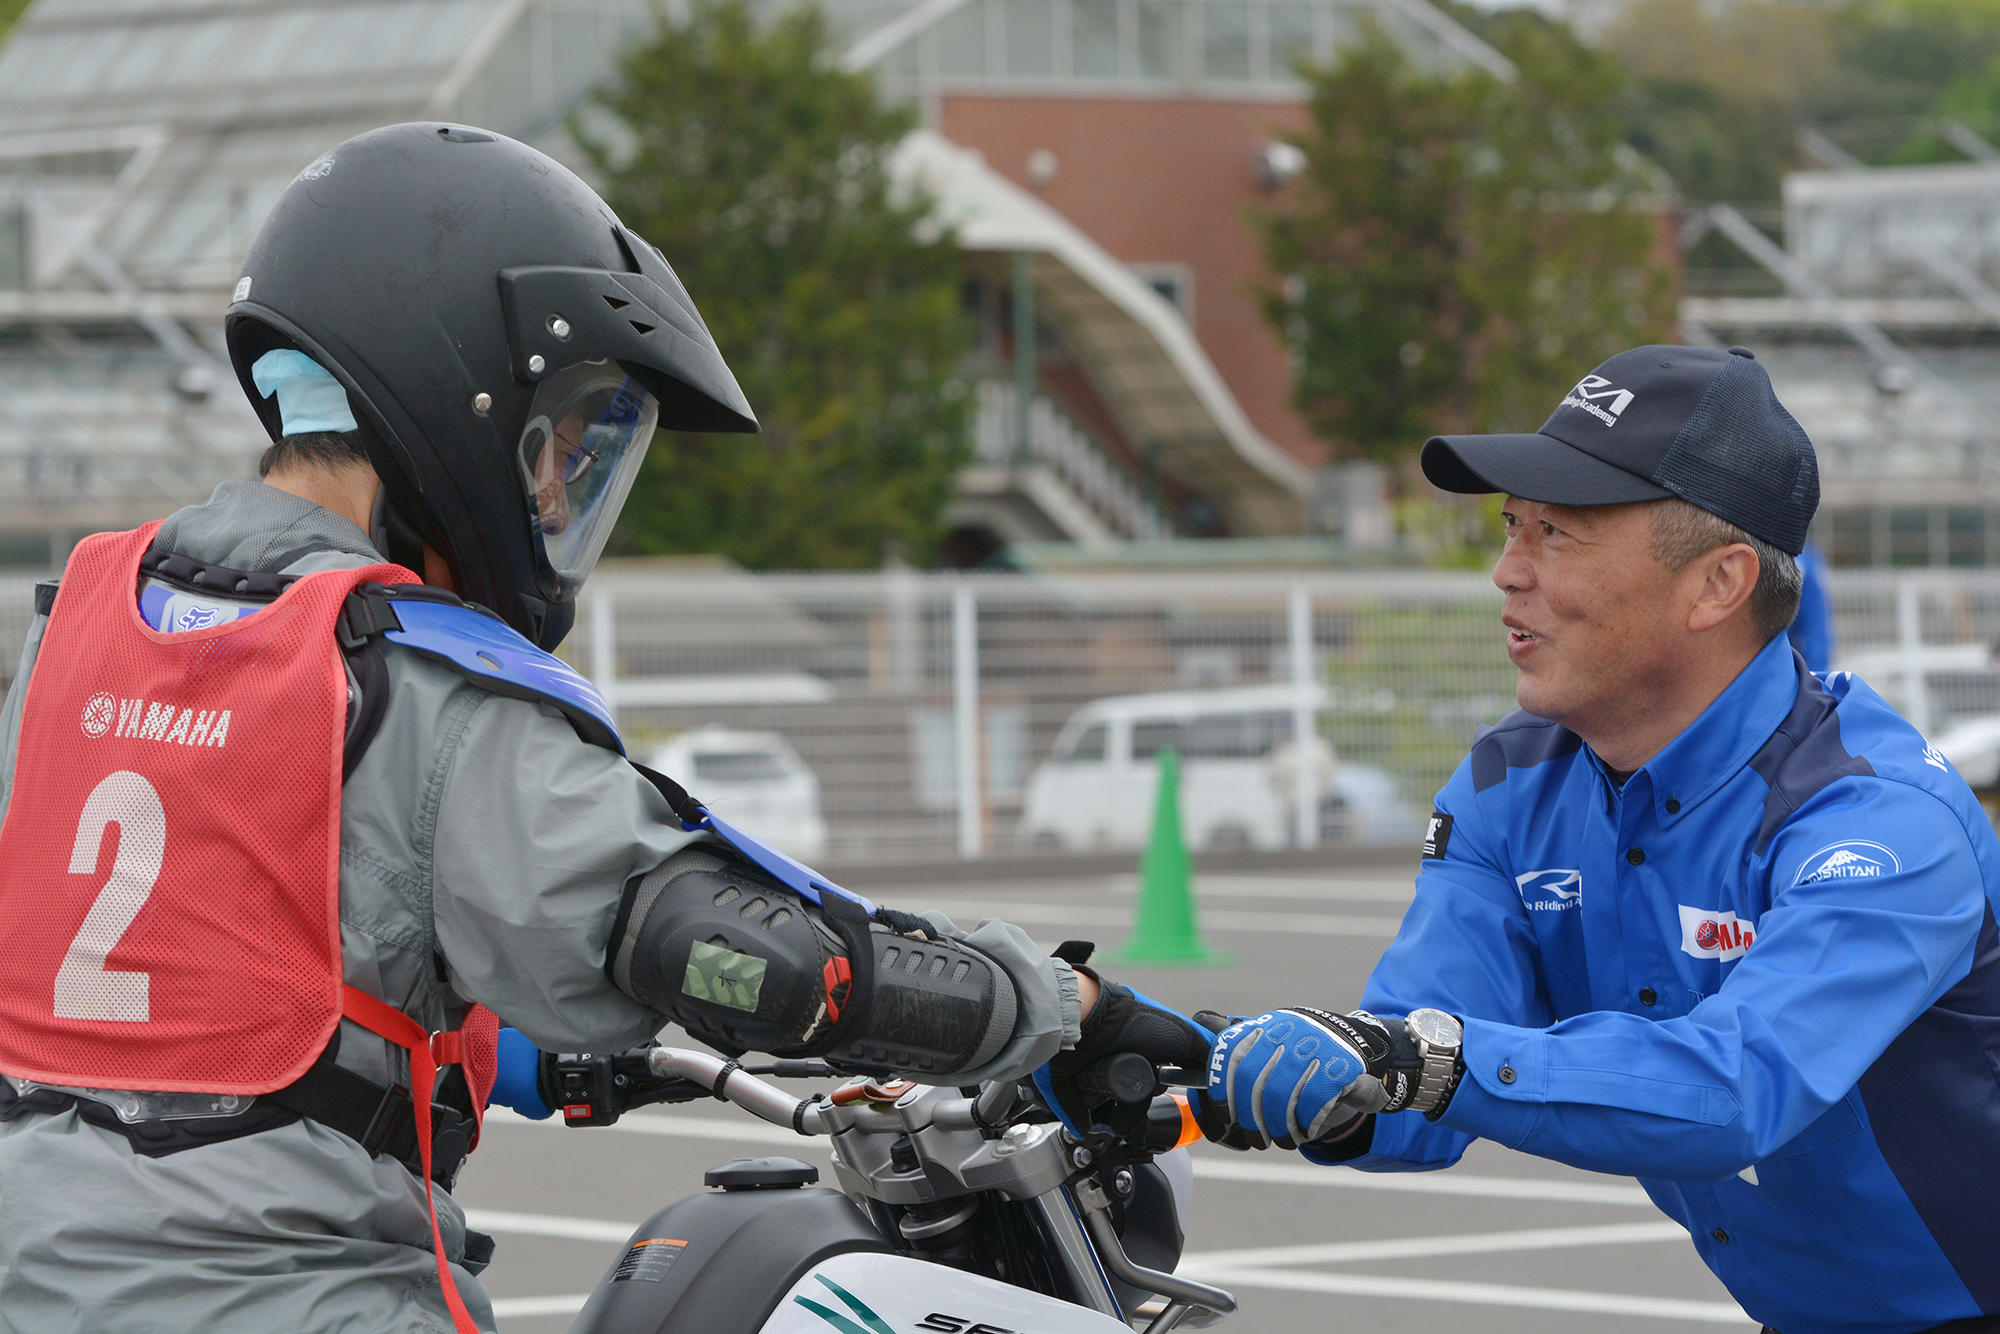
{"x": 755, "y": 780}
{"x": 1096, "y": 791}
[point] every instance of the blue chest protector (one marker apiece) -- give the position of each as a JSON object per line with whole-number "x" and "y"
{"x": 492, "y": 654}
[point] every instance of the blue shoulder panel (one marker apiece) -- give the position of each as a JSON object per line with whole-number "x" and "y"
{"x": 498, "y": 657}
{"x": 793, "y": 874}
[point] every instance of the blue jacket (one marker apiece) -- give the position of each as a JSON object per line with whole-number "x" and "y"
{"x": 1763, "y": 977}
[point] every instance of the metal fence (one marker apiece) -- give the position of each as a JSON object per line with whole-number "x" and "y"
{"x": 928, "y": 709}
{"x": 928, "y": 705}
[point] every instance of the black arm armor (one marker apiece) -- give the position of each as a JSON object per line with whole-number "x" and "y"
{"x": 745, "y": 964}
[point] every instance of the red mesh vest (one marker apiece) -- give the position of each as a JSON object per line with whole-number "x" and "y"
{"x": 169, "y": 864}
{"x": 170, "y": 860}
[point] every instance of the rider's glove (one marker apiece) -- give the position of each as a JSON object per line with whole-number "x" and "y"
{"x": 1294, "y": 1076}
{"x": 1122, "y": 1020}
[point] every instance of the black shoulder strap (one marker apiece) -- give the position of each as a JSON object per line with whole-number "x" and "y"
{"x": 371, "y": 705}
{"x": 686, "y": 807}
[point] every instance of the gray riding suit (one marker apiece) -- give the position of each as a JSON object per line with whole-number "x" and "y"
{"x": 484, "y": 849}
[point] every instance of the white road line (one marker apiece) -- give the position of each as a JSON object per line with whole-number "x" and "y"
{"x": 1330, "y": 887}
{"x": 547, "y": 1225}
{"x": 1281, "y": 1173}
{"x": 1225, "y": 919}
{"x": 1481, "y": 1294}
{"x": 1215, "y": 1166}
{"x": 520, "y": 1308}
{"x": 1464, "y": 1243}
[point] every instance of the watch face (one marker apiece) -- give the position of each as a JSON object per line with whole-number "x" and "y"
{"x": 1435, "y": 1027}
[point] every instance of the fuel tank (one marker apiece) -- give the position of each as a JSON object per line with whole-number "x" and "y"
{"x": 720, "y": 1262}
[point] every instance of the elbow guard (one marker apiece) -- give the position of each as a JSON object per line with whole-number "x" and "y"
{"x": 745, "y": 964}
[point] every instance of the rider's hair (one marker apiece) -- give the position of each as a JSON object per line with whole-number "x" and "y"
{"x": 317, "y": 449}
{"x": 1682, "y": 532}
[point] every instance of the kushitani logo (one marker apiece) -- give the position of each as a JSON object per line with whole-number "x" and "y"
{"x": 154, "y": 720}
{"x": 1855, "y": 859}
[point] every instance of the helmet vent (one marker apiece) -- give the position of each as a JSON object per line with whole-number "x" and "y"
{"x": 615, "y": 303}
{"x": 642, "y": 328}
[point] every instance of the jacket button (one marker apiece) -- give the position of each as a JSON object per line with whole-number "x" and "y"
{"x": 1635, "y": 856}
{"x": 1720, "y": 1236}
{"x": 1673, "y": 805}
{"x": 1648, "y": 996}
{"x": 1507, "y": 1074}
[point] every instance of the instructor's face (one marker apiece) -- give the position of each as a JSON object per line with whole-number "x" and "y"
{"x": 1587, "y": 616}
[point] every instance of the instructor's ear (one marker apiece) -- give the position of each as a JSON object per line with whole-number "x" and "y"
{"x": 1728, "y": 576}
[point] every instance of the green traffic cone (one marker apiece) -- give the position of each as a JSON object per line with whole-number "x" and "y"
{"x": 1165, "y": 930}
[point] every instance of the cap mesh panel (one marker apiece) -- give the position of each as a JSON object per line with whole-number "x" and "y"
{"x": 1741, "y": 456}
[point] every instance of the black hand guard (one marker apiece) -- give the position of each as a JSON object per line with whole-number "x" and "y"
{"x": 934, "y": 1007}
{"x": 745, "y": 964}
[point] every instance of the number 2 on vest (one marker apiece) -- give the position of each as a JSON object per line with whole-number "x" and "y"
{"x": 85, "y": 989}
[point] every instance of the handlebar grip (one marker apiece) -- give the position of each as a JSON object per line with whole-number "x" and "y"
{"x": 1124, "y": 1076}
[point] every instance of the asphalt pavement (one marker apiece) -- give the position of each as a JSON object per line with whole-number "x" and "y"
{"x": 1503, "y": 1242}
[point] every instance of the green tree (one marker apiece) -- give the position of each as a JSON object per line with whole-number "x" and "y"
{"x": 760, "y": 169}
{"x": 10, "y": 10}
{"x": 1460, "y": 247}
{"x": 1717, "y": 95}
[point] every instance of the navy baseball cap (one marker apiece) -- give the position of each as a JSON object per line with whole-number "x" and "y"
{"x": 1651, "y": 423}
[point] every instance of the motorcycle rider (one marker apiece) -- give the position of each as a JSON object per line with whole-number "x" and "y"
{"x": 352, "y": 812}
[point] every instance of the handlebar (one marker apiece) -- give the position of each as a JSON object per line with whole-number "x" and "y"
{"x": 730, "y": 1082}
{"x": 594, "y": 1090}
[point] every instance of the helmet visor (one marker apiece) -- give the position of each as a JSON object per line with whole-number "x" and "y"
{"x": 586, "y": 436}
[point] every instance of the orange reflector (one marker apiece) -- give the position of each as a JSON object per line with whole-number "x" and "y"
{"x": 1190, "y": 1129}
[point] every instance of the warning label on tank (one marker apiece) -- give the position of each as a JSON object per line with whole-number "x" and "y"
{"x": 648, "y": 1261}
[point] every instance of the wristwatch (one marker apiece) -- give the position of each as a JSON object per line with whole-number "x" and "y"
{"x": 1438, "y": 1037}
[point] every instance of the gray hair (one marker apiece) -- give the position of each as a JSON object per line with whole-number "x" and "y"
{"x": 1682, "y": 532}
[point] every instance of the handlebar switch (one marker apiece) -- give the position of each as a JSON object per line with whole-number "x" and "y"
{"x": 579, "y": 1085}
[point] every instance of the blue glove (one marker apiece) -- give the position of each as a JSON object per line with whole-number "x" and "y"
{"x": 1122, "y": 1020}
{"x": 1292, "y": 1076}
{"x": 518, "y": 1083}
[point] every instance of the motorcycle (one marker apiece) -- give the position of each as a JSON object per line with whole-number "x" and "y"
{"x": 957, "y": 1211}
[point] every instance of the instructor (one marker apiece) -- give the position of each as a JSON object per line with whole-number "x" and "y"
{"x": 1691, "y": 914}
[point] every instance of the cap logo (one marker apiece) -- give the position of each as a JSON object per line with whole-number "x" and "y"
{"x": 1600, "y": 398}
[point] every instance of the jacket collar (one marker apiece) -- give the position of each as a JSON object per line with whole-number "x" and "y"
{"x": 1711, "y": 750}
{"x": 249, "y": 526}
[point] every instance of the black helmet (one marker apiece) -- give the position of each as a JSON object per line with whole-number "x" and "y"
{"x": 512, "y": 344}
